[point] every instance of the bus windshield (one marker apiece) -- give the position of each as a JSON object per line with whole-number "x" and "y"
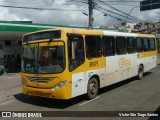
{"x": 37, "y": 59}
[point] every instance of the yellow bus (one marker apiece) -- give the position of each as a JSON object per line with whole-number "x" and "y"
{"x": 65, "y": 63}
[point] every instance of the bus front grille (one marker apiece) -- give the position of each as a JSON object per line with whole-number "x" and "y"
{"x": 37, "y": 79}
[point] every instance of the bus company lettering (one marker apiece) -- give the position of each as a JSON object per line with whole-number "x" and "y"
{"x": 93, "y": 64}
{"x": 124, "y": 62}
{"x": 139, "y": 55}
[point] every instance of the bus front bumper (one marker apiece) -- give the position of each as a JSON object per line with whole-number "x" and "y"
{"x": 61, "y": 93}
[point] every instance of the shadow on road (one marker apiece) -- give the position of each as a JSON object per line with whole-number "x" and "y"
{"x": 61, "y": 104}
{"x": 47, "y": 102}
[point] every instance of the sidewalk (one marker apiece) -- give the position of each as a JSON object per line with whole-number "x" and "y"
{"x": 10, "y": 74}
{"x": 9, "y": 80}
{"x": 10, "y": 84}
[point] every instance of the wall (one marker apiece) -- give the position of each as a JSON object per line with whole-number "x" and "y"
{"x": 11, "y": 54}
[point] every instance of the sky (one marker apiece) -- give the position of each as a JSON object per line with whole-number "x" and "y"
{"x": 73, "y": 18}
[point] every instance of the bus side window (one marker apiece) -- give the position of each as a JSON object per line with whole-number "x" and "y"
{"x": 131, "y": 45}
{"x": 139, "y": 45}
{"x": 152, "y": 44}
{"x": 121, "y": 45}
{"x": 75, "y": 51}
{"x": 145, "y": 44}
{"x": 108, "y": 45}
{"x": 93, "y": 46}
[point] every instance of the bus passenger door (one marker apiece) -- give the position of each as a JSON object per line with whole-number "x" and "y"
{"x": 78, "y": 84}
{"x": 76, "y": 60}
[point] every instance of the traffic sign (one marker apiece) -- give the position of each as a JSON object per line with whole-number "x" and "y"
{"x": 149, "y": 5}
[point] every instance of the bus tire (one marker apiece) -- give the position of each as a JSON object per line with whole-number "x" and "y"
{"x": 92, "y": 88}
{"x": 140, "y": 72}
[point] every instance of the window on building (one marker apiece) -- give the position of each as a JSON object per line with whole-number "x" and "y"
{"x": 131, "y": 44}
{"x": 152, "y": 44}
{"x": 8, "y": 43}
{"x": 93, "y": 46}
{"x": 121, "y": 45}
{"x": 75, "y": 51}
{"x": 145, "y": 44}
{"x": 108, "y": 45}
{"x": 139, "y": 45}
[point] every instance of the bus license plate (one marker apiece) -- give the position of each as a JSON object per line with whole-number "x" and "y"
{"x": 36, "y": 93}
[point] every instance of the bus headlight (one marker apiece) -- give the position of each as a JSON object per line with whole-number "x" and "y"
{"x": 59, "y": 85}
{"x": 24, "y": 83}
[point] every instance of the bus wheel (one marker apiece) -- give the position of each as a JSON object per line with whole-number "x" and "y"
{"x": 92, "y": 89}
{"x": 140, "y": 72}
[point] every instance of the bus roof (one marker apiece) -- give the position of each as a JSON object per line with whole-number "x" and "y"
{"x": 95, "y": 32}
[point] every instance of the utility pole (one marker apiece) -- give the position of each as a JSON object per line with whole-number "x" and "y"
{"x": 90, "y": 4}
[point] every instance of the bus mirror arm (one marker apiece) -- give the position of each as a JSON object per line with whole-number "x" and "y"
{"x": 50, "y": 40}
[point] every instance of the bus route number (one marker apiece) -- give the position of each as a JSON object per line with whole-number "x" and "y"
{"x": 93, "y": 64}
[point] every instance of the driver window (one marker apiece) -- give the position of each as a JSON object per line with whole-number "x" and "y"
{"x": 75, "y": 51}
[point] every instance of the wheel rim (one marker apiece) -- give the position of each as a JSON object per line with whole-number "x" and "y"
{"x": 92, "y": 88}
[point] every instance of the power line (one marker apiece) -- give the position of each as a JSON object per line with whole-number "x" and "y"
{"x": 121, "y": 1}
{"x": 117, "y": 4}
{"x": 36, "y": 8}
{"x": 99, "y": 9}
{"x": 120, "y": 10}
{"x": 114, "y": 8}
{"x": 94, "y": 5}
{"x": 113, "y": 12}
{"x": 33, "y": 3}
{"x": 103, "y": 1}
{"x": 78, "y": 1}
{"x": 28, "y": 2}
{"x": 119, "y": 19}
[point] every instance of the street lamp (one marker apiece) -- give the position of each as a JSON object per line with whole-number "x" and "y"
{"x": 130, "y": 12}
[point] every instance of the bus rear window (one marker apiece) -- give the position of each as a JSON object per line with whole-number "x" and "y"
{"x": 42, "y": 35}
